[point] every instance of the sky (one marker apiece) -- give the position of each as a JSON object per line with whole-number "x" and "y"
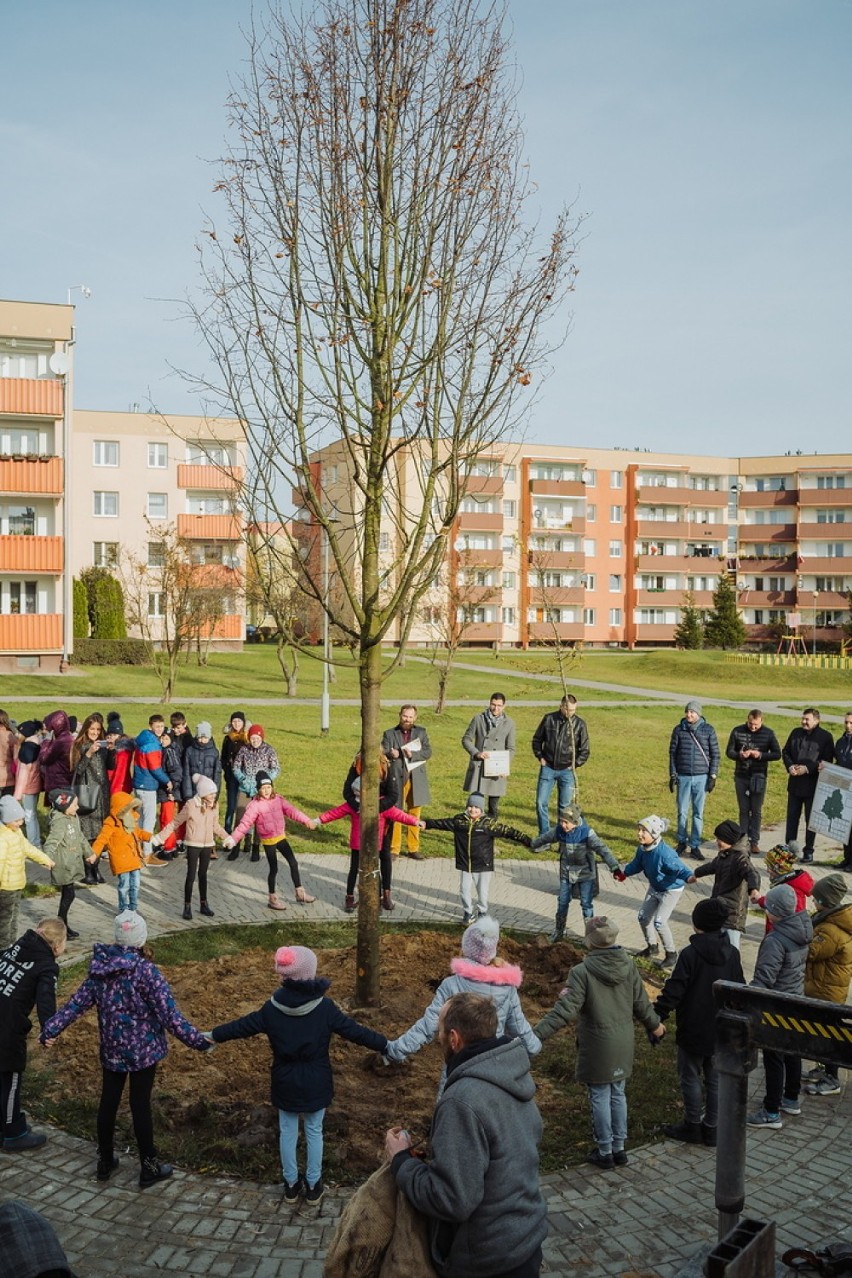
{"x": 708, "y": 146}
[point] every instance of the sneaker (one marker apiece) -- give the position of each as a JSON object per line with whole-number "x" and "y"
{"x": 697, "y": 854}
{"x": 27, "y": 1140}
{"x": 605, "y": 1162}
{"x": 808, "y": 857}
{"x": 466, "y": 919}
{"x": 619, "y": 1157}
{"x": 814, "y": 1075}
{"x": 650, "y": 951}
{"x": 292, "y": 1193}
{"x": 789, "y": 1106}
{"x": 680, "y": 849}
{"x": 826, "y": 1086}
{"x": 754, "y": 849}
{"x": 314, "y": 1193}
{"x": 763, "y": 1118}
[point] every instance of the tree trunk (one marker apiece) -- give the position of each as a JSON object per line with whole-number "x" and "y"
{"x": 443, "y": 680}
{"x": 367, "y": 952}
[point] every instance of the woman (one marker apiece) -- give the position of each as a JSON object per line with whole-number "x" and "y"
{"x": 89, "y": 768}
{"x": 28, "y": 776}
{"x": 267, "y": 813}
{"x": 135, "y": 1008}
{"x": 254, "y": 757}
{"x": 232, "y": 742}
{"x": 8, "y": 751}
{"x": 54, "y": 757}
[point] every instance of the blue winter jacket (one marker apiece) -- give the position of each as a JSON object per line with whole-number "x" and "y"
{"x": 694, "y": 750}
{"x": 661, "y": 866}
{"x": 148, "y": 770}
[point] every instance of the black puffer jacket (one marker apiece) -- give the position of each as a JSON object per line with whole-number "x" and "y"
{"x": 562, "y": 741}
{"x": 842, "y": 751}
{"x": 764, "y": 740}
{"x": 474, "y": 840}
{"x": 709, "y": 957}
{"x": 203, "y": 759}
{"x": 735, "y": 878}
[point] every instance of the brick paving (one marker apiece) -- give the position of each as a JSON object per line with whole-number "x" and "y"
{"x": 650, "y": 1219}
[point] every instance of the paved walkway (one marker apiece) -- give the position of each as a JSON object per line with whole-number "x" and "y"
{"x": 648, "y": 1220}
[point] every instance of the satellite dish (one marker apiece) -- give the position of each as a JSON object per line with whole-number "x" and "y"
{"x": 59, "y": 363}
{"x": 741, "y": 585}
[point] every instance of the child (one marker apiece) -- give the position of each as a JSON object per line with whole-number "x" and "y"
{"x": 666, "y": 875}
{"x": 266, "y": 815}
{"x": 121, "y": 837}
{"x": 299, "y": 1021}
{"x": 828, "y": 969}
{"x": 15, "y": 851}
{"x": 709, "y": 957}
{"x": 135, "y": 1009}
{"x": 232, "y": 742}
{"x": 68, "y": 847}
{"x": 200, "y": 755}
{"x": 388, "y": 813}
{"x": 169, "y": 800}
{"x": 474, "y": 836}
{"x": 579, "y": 848}
{"x": 781, "y": 864}
{"x": 28, "y": 776}
{"x": 120, "y": 751}
{"x": 734, "y": 877}
{"x": 478, "y": 971}
{"x": 603, "y": 995}
{"x": 780, "y": 966}
{"x": 28, "y": 973}
{"x": 256, "y": 756}
{"x": 200, "y": 821}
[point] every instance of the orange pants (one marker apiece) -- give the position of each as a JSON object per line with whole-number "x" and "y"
{"x": 412, "y": 831}
{"x": 168, "y": 811}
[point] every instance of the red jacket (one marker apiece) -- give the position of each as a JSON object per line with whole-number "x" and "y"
{"x": 801, "y": 883}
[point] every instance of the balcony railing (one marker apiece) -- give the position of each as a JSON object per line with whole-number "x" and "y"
{"x": 31, "y": 476}
{"x": 209, "y": 477}
{"x": 31, "y": 554}
{"x": 210, "y": 527}
{"x": 30, "y": 632}
{"x": 31, "y": 397}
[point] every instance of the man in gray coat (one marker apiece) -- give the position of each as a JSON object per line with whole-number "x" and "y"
{"x": 407, "y": 748}
{"x": 486, "y": 733}
{"x": 480, "y": 1189}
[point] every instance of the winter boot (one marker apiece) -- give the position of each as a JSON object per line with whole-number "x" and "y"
{"x": 690, "y": 1133}
{"x": 234, "y": 853}
{"x": 187, "y": 912}
{"x": 107, "y": 1164}
{"x": 255, "y": 852}
{"x": 559, "y": 930}
{"x": 669, "y": 961}
{"x": 650, "y": 951}
{"x": 153, "y": 1171}
{"x": 708, "y": 1135}
{"x": 206, "y": 911}
{"x": 387, "y": 901}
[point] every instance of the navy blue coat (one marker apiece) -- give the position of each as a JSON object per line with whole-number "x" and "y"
{"x": 299, "y": 1022}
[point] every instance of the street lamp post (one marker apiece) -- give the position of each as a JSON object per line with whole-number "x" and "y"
{"x": 325, "y": 717}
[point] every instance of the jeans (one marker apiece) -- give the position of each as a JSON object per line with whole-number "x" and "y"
{"x": 691, "y": 1070}
{"x": 482, "y": 882}
{"x": 586, "y": 889}
{"x": 8, "y": 917}
{"x": 657, "y": 909}
{"x": 691, "y": 793}
{"x": 128, "y": 890}
{"x": 29, "y": 802}
{"x": 288, "y": 1136}
{"x": 751, "y": 791}
{"x": 609, "y": 1115}
{"x": 783, "y": 1078}
{"x": 564, "y": 779}
{"x": 796, "y": 804}
{"x": 148, "y": 814}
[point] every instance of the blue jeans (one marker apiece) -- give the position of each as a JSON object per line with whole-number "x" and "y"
{"x": 587, "y": 900}
{"x": 547, "y": 779}
{"x": 288, "y": 1136}
{"x": 691, "y": 793}
{"x": 128, "y": 890}
{"x": 609, "y": 1116}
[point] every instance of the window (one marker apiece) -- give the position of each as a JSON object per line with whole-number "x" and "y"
{"x": 830, "y": 583}
{"x": 589, "y": 580}
{"x": 473, "y": 505}
{"x": 591, "y": 512}
{"x": 831, "y": 549}
{"x": 156, "y": 554}
{"x": 207, "y": 455}
{"x": 615, "y": 549}
{"x": 770, "y": 484}
{"x": 155, "y": 603}
{"x": 508, "y": 616}
{"x": 510, "y": 474}
{"x": 158, "y": 506}
{"x": 104, "y": 452}
{"x": 508, "y": 581}
{"x": 614, "y": 582}
{"x": 508, "y": 545}
{"x": 589, "y": 546}
{"x": 105, "y": 554}
{"x": 485, "y": 467}
{"x": 588, "y": 616}
{"x": 158, "y": 456}
{"x": 208, "y": 506}
{"x": 657, "y": 617}
{"x": 21, "y": 442}
{"x": 22, "y": 597}
{"x": 615, "y": 513}
{"x": 590, "y": 477}
{"x": 615, "y": 616}
{"x": 831, "y": 517}
{"x": 831, "y": 481}
{"x": 207, "y": 552}
{"x": 482, "y": 578}
{"x": 22, "y": 521}
{"x": 510, "y": 509}
{"x": 384, "y": 541}
{"x": 21, "y": 364}
{"x": 552, "y": 472}
{"x": 105, "y": 504}
{"x": 616, "y": 478}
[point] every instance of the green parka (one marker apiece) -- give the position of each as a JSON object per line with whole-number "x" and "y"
{"x": 66, "y": 845}
{"x": 603, "y": 995}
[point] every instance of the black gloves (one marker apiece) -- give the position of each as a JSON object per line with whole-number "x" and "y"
{"x": 711, "y": 784}
{"x": 672, "y": 784}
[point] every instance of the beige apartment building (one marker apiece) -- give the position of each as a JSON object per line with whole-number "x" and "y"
{"x": 601, "y": 546}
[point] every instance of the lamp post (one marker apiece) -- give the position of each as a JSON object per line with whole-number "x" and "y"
{"x": 816, "y": 609}
{"x": 325, "y": 717}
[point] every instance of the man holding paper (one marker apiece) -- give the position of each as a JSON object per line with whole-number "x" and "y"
{"x": 407, "y": 748}
{"x": 490, "y": 741}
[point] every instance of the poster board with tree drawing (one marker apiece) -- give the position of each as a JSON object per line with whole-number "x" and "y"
{"x": 831, "y": 813}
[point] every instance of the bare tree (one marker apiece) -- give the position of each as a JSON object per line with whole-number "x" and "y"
{"x": 449, "y": 617}
{"x": 374, "y": 279}
{"x": 273, "y": 585}
{"x": 547, "y": 591}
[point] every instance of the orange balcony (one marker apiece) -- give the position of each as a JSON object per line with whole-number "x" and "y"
{"x": 556, "y": 596}
{"x": 210, "y": 477}
{"x": 547, "y": 560}
{"x": 822, "y": 497}
{"x": 833, "y": 565}
{"x": 481, "y": 558}
{"x": 660, "y": 529}
{"x": 824, "y": 532}
{"x": 31, "y": 397}
{"x": 556, "y": 488}
{"x": 31, "y": 476}
{"x": 483, "y": 485}
{"x": 31, "y": 554}
{"x": 652, "y": 495}
{"x": 653, "y": 633}
{"x": 31, "y": 632}
{"x": 769, "y": 532}
{"x": 767, "y": 598}
{"x": 702, "y": 564}
{"x": 210, "y": 527}
{"x": 546, "y": 631}
{"x": 755, "y": 501}
{"x": 469, "y": 522}
{"x": 230, "y": 626}
{"x": 483, "y": 632}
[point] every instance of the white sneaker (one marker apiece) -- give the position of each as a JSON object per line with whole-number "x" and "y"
{"x": 763, "y": 1118}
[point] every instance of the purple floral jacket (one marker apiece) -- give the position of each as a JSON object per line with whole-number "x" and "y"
{"x": 135, "y": 1008}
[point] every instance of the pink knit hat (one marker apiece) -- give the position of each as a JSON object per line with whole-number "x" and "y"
{"x": 295, "y": 963}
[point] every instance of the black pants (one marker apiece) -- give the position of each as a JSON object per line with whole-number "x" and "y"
{"x": 529, "y": 1269}
{"x": 493, "y": 804}
{"x": 141, "y": 1087}
{"x": 385, "y": 869}
{"x": 783, "y": 1078}
{"x": 272, "y": 850}
{"x": 12, "y": 1121}
{"x": 66, "y": 900}
{"x": 232, "y": 789}
{"x": 796, "y": 803}
{"x": 197, "y": 860}
{"x": 751, "y": 791}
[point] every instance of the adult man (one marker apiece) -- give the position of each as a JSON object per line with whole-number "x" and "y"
{"x": 752, "y": 746}
{"x": 480, "y": 1190}
{"x": 407, "y": 747}
{"x": 561, "y": 745}
{"x": 489, "y": 731}
{"x": 805, "y": 748}
{"x": 693, "y": 768}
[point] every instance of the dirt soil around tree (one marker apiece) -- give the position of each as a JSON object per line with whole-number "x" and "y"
{"x": 213, "y": 1112}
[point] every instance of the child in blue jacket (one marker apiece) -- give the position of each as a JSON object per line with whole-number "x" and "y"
{"x": 579, "y": 850}
{"x": 667, "y": 876}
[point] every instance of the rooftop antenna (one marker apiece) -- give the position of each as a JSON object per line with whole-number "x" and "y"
{"x": 84, "y": 289}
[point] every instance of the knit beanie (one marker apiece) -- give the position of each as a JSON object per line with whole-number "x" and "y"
{"x": 11, "y": 810}
{"x": 710, "y": 915}
{"x": 830, "y": 891}
{"x": 203, "y": 785}
{"x": 781, "y": 901}
{"x": 601, "y": 933}
{"x": 781, "y": 859}
{"x": 476, "y": 800}
{"x": 262, "y": 778}
{"x": 114, "y": 724}
{"x": 694, "y": 705}
{"x": 61, "y": 798}
{"x": 572, "y": 813}
{"x": 655, "y": 825}
{"x": 479, "y": 941}
{"x": 295, "y": 963}
{"x": 238, "y": 714}
{"x": 728, "y": 832}
{"x": 130, "y": 929}
{"x": 204, "y": 729}
{"x": 30, "y": 727}
{"x": 255, "y": 731}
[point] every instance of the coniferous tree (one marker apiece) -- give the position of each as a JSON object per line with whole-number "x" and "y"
{"x": 724, "y": 627}
{"x": 689, "y": 632}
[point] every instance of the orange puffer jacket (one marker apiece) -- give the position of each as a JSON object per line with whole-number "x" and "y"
{"x": 123, "y": 845}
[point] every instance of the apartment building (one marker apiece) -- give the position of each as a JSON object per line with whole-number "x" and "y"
{"x": 601, "y": 546}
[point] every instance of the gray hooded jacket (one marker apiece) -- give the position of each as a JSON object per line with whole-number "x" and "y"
{"x": 783, "y": 953}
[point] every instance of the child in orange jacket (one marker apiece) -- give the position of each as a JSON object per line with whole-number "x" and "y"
{"x": 122, "y": 839}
